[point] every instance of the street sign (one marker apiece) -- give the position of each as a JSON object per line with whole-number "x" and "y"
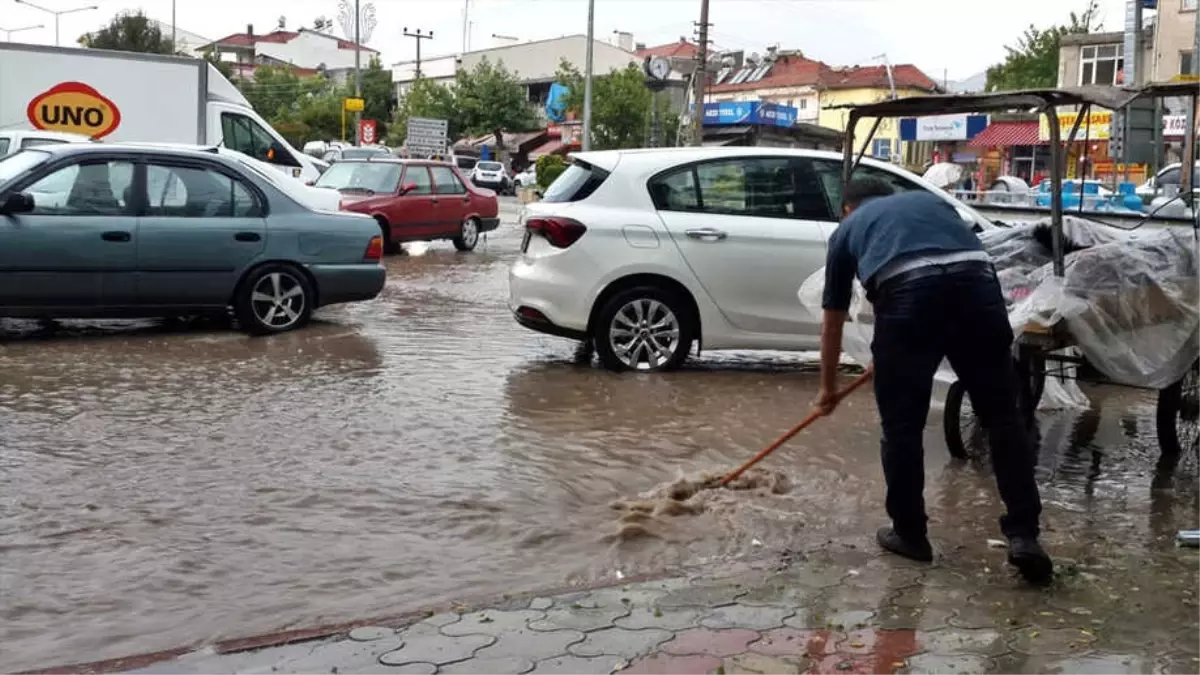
{"x": 426, "y": 136}
{"x": 353, "y": 104}
{"x": 366, "y": 132}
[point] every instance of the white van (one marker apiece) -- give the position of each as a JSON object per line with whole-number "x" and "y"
{"x": 13, "y": 141}
{"x": 129, "y": 97}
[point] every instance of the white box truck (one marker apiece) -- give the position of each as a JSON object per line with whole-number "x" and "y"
{"x": 144, "y": 98}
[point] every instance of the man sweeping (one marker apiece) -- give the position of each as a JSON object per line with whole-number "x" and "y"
{"x": 935, "y": 295}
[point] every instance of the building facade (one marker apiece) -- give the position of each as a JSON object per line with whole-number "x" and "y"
{"x": 306, "y": 51}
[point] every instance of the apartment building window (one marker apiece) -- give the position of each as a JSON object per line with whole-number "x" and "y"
{"x": 1100, "y": 64}
{"x": 881, "y": 148}
{"x": 1187, "y": 61}
{"x": 804, "y": 104}
{"x": 1189, "y": 5}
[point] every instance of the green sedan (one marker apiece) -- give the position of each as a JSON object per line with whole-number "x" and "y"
{"x": 126, "y": 231}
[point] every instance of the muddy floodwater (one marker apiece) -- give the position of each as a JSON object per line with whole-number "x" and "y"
{"x": 162, "y": 485}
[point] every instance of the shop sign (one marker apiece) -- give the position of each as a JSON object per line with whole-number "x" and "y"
{"x": 1174, "y": 125}
{"x": 1097, "y": 127}
{"x": 942, "y": 128}
{"x": 749, "y": 112}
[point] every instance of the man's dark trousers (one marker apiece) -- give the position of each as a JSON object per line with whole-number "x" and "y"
{"x": 957, "y": 312}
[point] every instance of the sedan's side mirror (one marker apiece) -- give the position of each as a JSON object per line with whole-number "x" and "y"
{"x": 409, "y": 187}
{"x": 18, "y": 202}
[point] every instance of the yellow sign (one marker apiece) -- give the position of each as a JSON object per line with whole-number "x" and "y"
{"x": 1186, "y": 78}
{"x": 353, "y": 104}
{"x": 74, "y": 107}
{"x": 1095, "y": 128}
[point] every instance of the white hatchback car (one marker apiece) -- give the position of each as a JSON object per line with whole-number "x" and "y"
{"x": 645, "y": 252}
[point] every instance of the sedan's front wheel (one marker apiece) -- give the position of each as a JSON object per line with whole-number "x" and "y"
{"x": 468, "y": 236}
{"x": 645, "y": 329}
{"x": 274, "y": 299}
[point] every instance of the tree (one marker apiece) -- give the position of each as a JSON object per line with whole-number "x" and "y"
{"x": 378, "y": 94}
{"x": 1033, "y": 62}
{"x": 621, "y": 106}
{"x": 425, "y": 98}
{"x": 223, "y": 67}
{"x": 489, "y": 100}
{"x": 130, "y": 32}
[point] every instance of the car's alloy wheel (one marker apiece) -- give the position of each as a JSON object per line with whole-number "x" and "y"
{"x": 468, "y": 236}
{"x": 274, "y": 299}
{"x": 643, "y": 329}
{"x": 644, "y": 334}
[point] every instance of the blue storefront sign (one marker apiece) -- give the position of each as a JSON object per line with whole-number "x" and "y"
{"x": 942, "y": 127}
{"x": 749, "y": 112}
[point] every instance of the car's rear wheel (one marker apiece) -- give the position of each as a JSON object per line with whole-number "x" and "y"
{"x": 274, "y": 298}
{"x": 468, "y": 235}
{"x": 390, "y": 247}
{"x": 645, "y": 329}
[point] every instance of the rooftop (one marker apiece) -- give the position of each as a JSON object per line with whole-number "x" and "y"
{"x": 249, "y": 39}
{"x": 793, "y": 69}
{"x": 682, "y": 49}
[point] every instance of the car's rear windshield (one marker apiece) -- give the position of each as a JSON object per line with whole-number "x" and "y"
{"x": 575, "y": 184}
{"x": 373, "y": 177}
{"x": 15, "y": 165}
{"x": 489, "y": 166}
{"x": 362, "y": 153}
{"x": 465, "y": 162}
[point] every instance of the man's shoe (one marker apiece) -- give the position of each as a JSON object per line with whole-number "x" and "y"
{"x": 913, "y": 549}
{"x": 1028, "y": 556}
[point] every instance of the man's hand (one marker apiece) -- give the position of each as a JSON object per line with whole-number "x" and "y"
{"x": 827, "y": 400}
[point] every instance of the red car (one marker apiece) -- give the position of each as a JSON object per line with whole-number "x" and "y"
{"x": 414, "y": 200}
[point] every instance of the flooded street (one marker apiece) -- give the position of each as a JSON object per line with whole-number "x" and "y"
{"x": 162, "y": 485}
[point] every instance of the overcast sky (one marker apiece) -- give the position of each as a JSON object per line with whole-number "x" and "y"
{"x": 961, "y": 37}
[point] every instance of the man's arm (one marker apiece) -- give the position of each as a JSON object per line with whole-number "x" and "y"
{"x": 840, "y": 268}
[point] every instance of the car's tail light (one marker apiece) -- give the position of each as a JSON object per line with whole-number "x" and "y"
{"x": 374, "y": 252}
{"x": 560, "y": 232}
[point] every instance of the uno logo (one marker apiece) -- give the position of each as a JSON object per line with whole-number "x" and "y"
{"x": 76, "y": 108}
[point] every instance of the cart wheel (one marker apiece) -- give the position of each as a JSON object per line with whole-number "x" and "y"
{"x": 964, "y": 433}
{"x": 1178, "y": 415}
{"x": 963, "y": 430}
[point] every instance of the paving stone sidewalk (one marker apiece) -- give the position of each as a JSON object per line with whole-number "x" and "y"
{"x": 841, "y": 609}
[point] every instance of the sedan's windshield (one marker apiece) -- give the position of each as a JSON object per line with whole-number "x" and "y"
{"x": 489, "y": 166}
{"x": 15, "y": 165}
{"x": 369, "y": 177}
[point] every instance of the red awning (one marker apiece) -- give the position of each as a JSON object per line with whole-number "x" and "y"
{"x": 545, "y": 148}
{"x": 1007, "y": 133}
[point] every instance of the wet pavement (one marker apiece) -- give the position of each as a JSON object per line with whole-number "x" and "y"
{"x": 168, "y": 485}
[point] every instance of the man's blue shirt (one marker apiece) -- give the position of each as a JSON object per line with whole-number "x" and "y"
{"x": 884, "y": 229}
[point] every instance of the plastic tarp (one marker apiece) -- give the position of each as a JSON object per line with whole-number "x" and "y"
{"x": 1130, "y": 301}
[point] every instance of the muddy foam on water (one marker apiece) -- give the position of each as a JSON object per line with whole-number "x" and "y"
{"x": 690, "y": 495}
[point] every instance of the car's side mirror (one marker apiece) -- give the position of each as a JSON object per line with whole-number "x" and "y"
{"x": 407, "y": 188}
{"x": 18, "y": 202}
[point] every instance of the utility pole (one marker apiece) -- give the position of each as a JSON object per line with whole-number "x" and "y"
{"x": 418, "y": 36}
{"x": 357, "y": 71}
{"x": 466, "y": 25}
{"x": 700, "y": 79}
{"x": 587, "y": 77}
{"x": 174, "y": 44}
{"x": 1191, "y": 118}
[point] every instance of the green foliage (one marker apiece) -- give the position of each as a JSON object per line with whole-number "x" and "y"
{"x": 425, "y": 98}
{"x": 621, "y": 105}
{"x": 549, "y": 167}
{"x": 222, "y": 67}
{"x": 1033, "y": 63}
{"x": 130, "y": 32}
{"x": 490, "y": 99}
{"x": 378, "y": 94}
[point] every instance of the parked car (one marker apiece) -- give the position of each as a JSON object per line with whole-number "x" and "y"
{"x": 1169, "y": 175}
{"x": 124, "y": 231}
{"x": 13, "y": 141}
{"x": 645, "y": 252}
{"x": 493, "y": 176}
{"x": 527, "y": 177}
{"x": 334, "y": 155}
{"x": 415, "y": 200}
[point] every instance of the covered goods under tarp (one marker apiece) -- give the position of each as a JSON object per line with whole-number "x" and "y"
{"x": 1128, "y": 301}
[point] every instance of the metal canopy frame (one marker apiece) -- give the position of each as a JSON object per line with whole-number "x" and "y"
{"x": 1044, "y": 101}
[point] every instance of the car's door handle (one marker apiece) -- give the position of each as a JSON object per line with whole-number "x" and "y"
{"x": 433, "y": 201}
{"x": 707, "y": 234}
{"x": 116, "y": 236}
{"x": 248, "y": 236}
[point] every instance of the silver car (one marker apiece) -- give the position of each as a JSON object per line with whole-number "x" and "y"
{"x": 123, "y": 231}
